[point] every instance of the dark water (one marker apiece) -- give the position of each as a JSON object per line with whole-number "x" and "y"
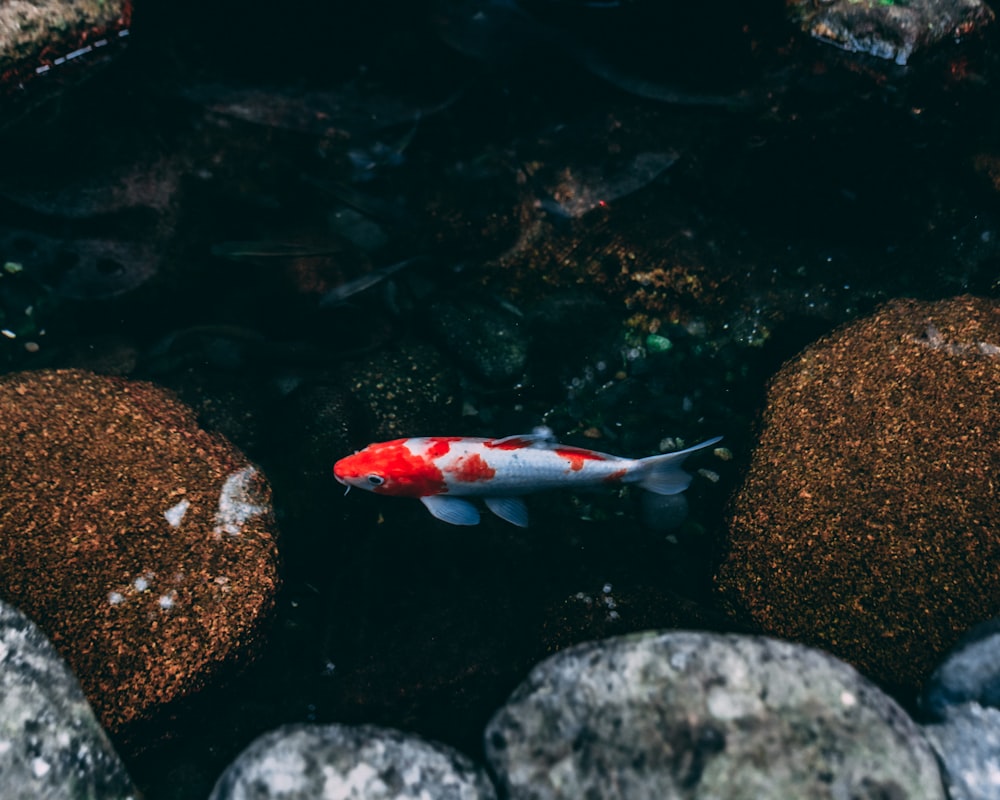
{"x": 223, "y": 208}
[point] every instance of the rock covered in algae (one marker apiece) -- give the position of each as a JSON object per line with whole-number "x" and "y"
{"x": 868, "y": 522}
{"x": 142, "y": 545}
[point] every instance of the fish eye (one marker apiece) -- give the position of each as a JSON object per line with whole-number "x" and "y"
{"x": 376, "y": 480}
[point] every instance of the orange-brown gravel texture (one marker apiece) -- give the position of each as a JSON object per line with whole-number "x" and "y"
{"x": 868, "y": 523}
{"x": 145, "y": 610}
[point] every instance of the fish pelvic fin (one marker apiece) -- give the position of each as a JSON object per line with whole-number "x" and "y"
{"x": 663, "y": 474}
{"x": 452, "y": 510}
{"x": 511, "y": 509}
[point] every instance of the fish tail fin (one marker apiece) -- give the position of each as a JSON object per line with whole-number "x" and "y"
{"x": 662, "y": 474}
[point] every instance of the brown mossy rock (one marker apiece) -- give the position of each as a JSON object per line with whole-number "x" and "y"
{"x": 142, "y": 545}
{"x": 869, "y": 521}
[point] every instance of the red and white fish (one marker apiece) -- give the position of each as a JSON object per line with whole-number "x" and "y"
{"x": 441, "y": 470}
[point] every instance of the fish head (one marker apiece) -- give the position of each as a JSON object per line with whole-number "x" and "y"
{"x": 354, "y": 471}
{"x": 391, "y": 468}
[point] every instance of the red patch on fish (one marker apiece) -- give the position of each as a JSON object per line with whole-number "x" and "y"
{"x": 405, "y": 474}
{"x": 616, "y": 476}
{"x": 440, "y": 445}
{"x": 577, "y": 456}
{"x": 471, "y": 468}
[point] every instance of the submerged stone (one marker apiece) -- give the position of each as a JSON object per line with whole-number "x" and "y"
{"x": 687, "y": 714}
{"x": 51, "y": 745}
{"x": 38, "y": 36}
{"x": 968, "y": 745}
{"x": 969, "y": 674}
{"x": 302, "y": 762}
{"x": 407, "y": 388}
{"x": 867, "y": 523}
{"x": 888, "y": 29}
{"x": 489, "y": 340}
{"x": 143, "y": 545}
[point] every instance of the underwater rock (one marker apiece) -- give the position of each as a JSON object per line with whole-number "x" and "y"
{"x": 40, "y": 36}
{"x": 889, "y": 30}
{"x": 50, "y": 743}
{"x": 969, "y": 674}
{"x": 84, "y": 268}
{"x": 148, "y": 183}
{"x": 301, "y": 762}
{"x": 142, "y": 545}
{"x": 968, "y": 745}
{"x": 92, "y": 228}
{"x": 867, "y": 523}
{"x": 490, "y": 340}
{"x": 963, "y": 700}
{"x": 682, "y": 714}
{"x": 409, "y": 390}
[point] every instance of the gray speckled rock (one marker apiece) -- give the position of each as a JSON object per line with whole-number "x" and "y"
{"x": 341, "y": 762}
{"x": 963, "y": 697}
{"x": 968, "y": 744}
{"x": 969, "y": 673}
{"x": 51, "y": 745}
{"x": 682, "y": 714}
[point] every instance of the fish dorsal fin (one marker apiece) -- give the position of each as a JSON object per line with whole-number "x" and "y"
{"x": 451, "y": 509}
{"x": 540, "y": 437}
{"x": 511, "y": 509}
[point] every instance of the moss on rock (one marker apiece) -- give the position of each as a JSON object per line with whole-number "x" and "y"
{"x": 868, "y": 523}
{"x": 142, "y": 545}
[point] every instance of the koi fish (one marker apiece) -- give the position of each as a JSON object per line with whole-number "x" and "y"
{"x": 441, "y": 470}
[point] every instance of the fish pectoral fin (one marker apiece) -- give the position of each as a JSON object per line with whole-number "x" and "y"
{"x": 451, "y": 509}
{"x": 541, "y": 437}
{"x": 511, "y": 509}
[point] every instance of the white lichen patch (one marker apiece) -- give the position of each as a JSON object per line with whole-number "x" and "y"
{"x": 237, "y": 503}
{"x": 175, "y": 514}
{"x": 130, "y": 588}
{"x": 933, "y": 339}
